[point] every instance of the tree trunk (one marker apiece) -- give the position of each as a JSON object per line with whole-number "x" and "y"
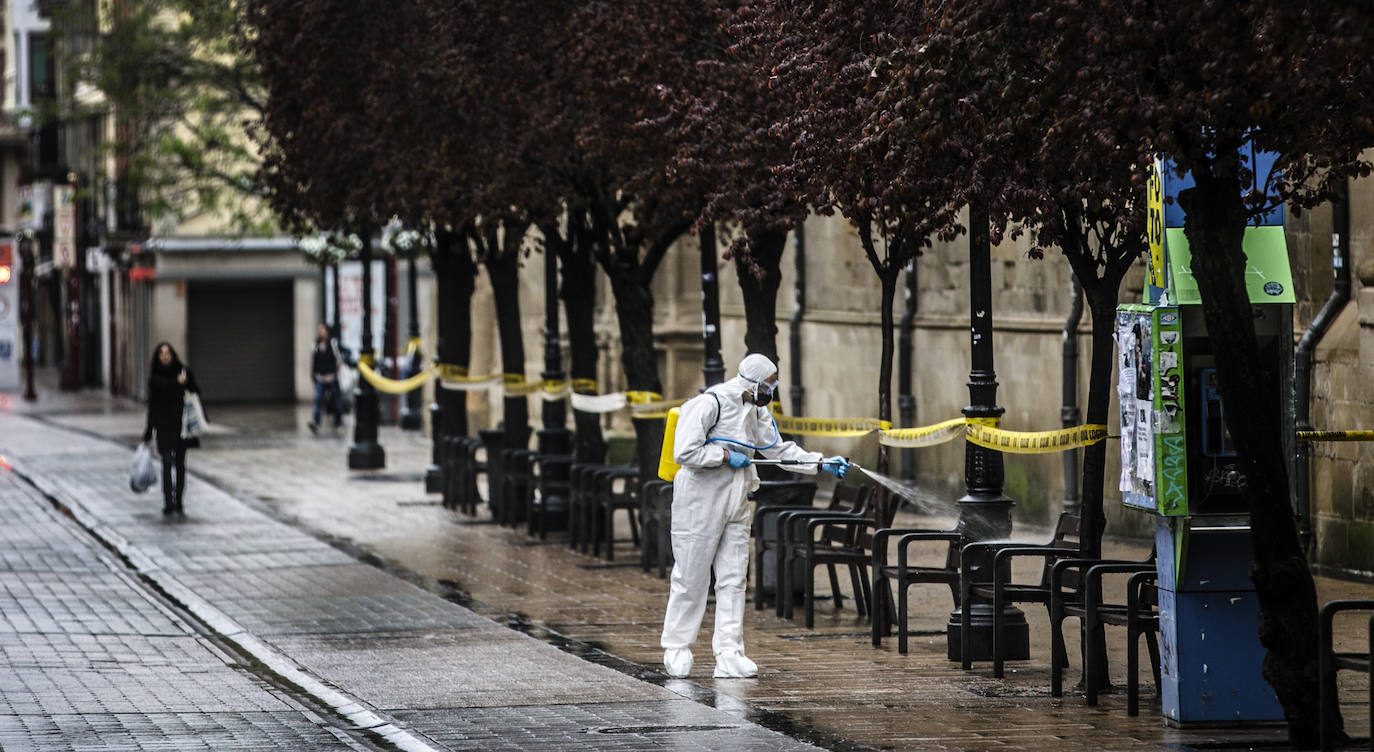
{"x": 1101, "y": 295}
{"x": 761, "y": 294}
{"x": 455, "y": 276}
{"x": 579, "y": 303}
{"x": 888, "y": 278}
{"x": 505, "y": 284}
{"x": 634, "y": 310}
{"x": 1101, "y": 298}
{"x": 1215, "y": 228}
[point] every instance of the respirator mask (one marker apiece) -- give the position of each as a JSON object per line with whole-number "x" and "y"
{"x": 763, "y": 393}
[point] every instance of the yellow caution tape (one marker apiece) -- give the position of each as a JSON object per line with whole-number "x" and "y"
{"x": 1335, "y": 435}
{"x": 842, "y": 427}
{"x": 392, "y": 386}
{"x": 646, "y": 405}
{"x": 925, "y": 436}
{"x": 456, "y": 378}
{"x": 515, "y": 385}
{"x": 1034, "y": 442}
{"x": 449, "y": 372}
{"x": 655, "y": 409}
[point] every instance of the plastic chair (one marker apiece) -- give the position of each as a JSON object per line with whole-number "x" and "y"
{"x": 835, "y": 539}
{"x": 904, "y": 574}
{"x": 1076, "y": 590}
{"x": 772, "y": 498}
{"x": 617, "y": 489}
{"x": 655, "y": 522}
{"x": 846, "y": 502}
{"x": 1330, "y": 661}
{"x": 548, "y": 476}
{"x": 1001, "y": 590}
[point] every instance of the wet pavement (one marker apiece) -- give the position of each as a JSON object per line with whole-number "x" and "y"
{"x": 375, "y": 617}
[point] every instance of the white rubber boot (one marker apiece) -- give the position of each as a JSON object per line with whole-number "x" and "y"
{"x": 677, "y": 662}
{"x": 734, "y": 665}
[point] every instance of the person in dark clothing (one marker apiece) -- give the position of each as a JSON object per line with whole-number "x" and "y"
{"x": 168, "y": 382}
{"x": 324, "y": 371}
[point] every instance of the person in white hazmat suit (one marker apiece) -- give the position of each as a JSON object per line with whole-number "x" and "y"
{"x": 717, "y": 433}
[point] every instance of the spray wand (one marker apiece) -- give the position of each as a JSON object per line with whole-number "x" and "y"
{"x": 852, "y": 465}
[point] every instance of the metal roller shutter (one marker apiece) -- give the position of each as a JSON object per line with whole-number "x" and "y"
{"x": 239, "y": 339}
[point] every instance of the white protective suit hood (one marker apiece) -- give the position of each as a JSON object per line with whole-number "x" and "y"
{"x": 752, "y": 372}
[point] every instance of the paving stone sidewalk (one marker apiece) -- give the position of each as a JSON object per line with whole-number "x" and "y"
{"x": 826, "y": 685}
{"x": 415, "y": 670}
{"x": 93, "y": 660}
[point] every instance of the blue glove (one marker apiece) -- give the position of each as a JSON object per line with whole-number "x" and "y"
{"x": 737, "y": 459}
{"x": 836, "y": 466}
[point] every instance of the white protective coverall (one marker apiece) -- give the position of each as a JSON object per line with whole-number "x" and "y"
{"x": 712, "y": 515}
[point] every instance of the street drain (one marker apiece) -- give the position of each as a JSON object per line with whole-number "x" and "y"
{"x": 1225, "y": 744}
{"x": 419, "y": 503}
{"x": 827, "y": 636}
{"x": 660, "y": 729}
{"x": 1006, "y": 691}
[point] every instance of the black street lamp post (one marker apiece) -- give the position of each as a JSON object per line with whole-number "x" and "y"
{"x": 366, "y": 453}
{"x": 984, "y": 511}
{"x": 554, "y": 437}
{"x": 906, "y": 393}
{"x": 391, "y": 362}
{"x": 334, "y": 326}
{"x": 412, "y": 415}
{"x": 26, "y": 313}
{"x": 712, "y": 367}
{"x": 794, "y": 340}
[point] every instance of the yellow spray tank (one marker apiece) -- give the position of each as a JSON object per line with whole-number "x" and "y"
{"x": 667, "y": 469}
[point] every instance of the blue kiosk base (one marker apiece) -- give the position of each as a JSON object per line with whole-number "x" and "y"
{"x": 1210, "y": 654}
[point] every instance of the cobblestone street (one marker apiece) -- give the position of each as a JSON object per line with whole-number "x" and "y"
{"x": 299, "y": 606}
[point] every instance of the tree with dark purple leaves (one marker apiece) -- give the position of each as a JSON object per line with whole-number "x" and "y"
{"x": 963, "y": 78}
{"x": 720, "y": 124}
{"x": 820, "y": 62}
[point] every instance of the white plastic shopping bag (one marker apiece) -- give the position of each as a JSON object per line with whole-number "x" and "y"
{"x": 143, "y": 472}
{"x": 192, "y": 417}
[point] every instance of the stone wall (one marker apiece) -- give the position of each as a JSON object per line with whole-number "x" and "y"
{"x": 1343, "y": 398}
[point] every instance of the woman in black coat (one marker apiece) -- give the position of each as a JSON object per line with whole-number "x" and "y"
{"x": 168, "y": 383}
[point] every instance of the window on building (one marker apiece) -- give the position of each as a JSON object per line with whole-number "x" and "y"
{"x": 41, "y": 73}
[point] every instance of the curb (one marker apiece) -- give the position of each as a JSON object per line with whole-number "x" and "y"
{"x": 224, "y": 627}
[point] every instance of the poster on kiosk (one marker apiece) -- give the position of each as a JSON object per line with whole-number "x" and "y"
{"x": 1178, "y": 463}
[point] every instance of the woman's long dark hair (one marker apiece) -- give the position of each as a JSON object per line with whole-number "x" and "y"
{"x": 176, "y": 364}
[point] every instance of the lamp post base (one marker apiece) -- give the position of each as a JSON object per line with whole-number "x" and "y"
{"x": 1015, "y": 633}
{"x": 411, "y": 420}
{"x": 367, "y": 455}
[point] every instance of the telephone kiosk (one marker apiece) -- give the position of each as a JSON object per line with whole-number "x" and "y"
{"x": 1178, "y": 462}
